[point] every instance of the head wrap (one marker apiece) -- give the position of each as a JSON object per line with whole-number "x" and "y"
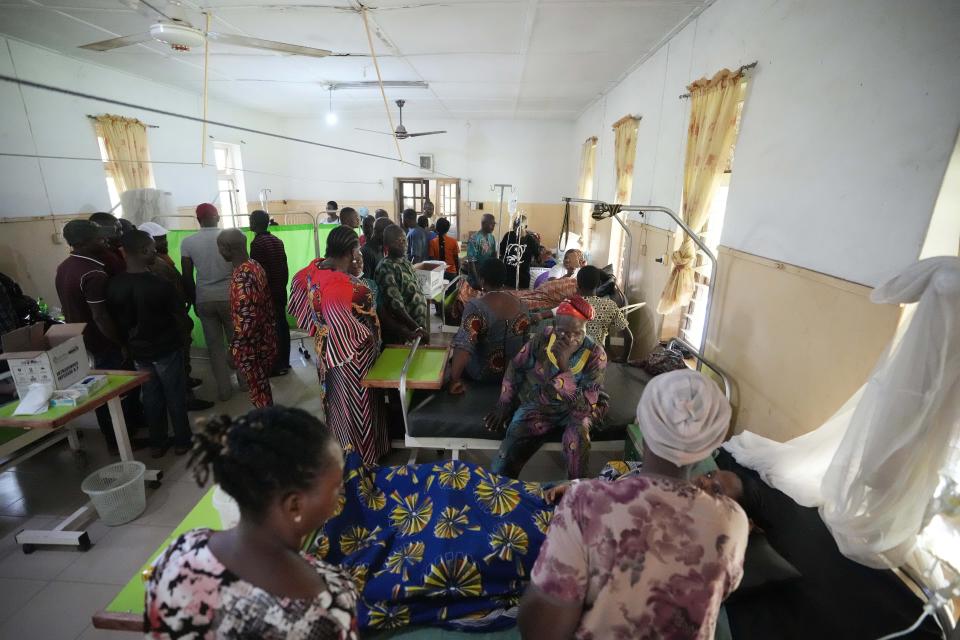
{"x": 206, "y": 211}
{"x": 683, "y": 416}
{"x": 577, "y": 307}
{"x": 153, "y": 229}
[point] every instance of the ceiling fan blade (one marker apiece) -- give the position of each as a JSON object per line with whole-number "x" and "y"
{"x": 153, "y": 8}
{"x": 269, "y": 45}
{"x": 424, "y": 133}
{"x": 383, "y": 133}
{"x": 116, "y": 43}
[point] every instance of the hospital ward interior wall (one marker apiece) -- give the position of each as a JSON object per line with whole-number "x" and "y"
{"x": 849, "y": 121}
{"x": 531, "y": 154}
{"x": 40, "y": 195}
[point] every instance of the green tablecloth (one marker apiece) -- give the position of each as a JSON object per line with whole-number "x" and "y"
{"x": 204, "y": 515}
{"x": 426, "y": 366}
{"x": 297, "y": 242}
{"x": 6, "y": 411}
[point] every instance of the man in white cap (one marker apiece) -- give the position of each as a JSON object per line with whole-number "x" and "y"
{"x": 652, "y": 555}
{"x": 164, "y": 267}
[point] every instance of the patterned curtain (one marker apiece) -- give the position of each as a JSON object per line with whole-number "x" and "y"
{"x": 624, "y": 153}
{"x": 710, "y": 136}
{"x": 588, "y": 155}
{"x": 128, "y": 157}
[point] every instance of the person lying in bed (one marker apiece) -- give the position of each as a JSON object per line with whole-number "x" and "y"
{"x": 492, "y": 332}
{"x": 652, "y": 555}
{"x": 285, "y": 471}
{"x": 448, "y": 543}
{"x": 555, "y": 383}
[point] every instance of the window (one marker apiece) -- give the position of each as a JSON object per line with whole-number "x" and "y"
{"x": 691, "y": 326}
{"x": 125, "y": 155}
{"x": 449, "y": 204}
{"x": 112, "y": 190}
{"x": 693, "y": 317}
{"x": 230, "y": 188}
{"x": 412, "y": 193}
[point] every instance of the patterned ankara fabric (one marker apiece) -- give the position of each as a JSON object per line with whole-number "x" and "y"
{"x": 339, "y": 311}
{"x": 646, "y": 557}
{"x": 607, "y": 317}
{"x": 190, "y": 594}
{"x": 441, "y": 544}
{"x": 547, "y": 399}
{"x": 254, "y": 344}
{"x": 492, "y": 342}
{"x": 546, "y": 297}
{"x": 400, "y": 292}
{"x": 481, "y": 246}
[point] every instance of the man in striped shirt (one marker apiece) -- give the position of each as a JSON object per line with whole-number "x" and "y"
{"x": 267, "y": 249}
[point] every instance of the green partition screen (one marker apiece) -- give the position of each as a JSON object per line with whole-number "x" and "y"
{"x": 298, "y": 243}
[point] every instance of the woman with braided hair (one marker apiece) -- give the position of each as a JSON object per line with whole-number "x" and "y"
{"x": 338, "y": 308}
{"x": 285, "y": 472}
{"x": 446, "y": 249}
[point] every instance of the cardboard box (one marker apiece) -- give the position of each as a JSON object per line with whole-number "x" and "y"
{"x": 57, "y": 358}
{"x": 430, "y": 274}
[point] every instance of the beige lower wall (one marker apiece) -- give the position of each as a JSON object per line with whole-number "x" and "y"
{"x": 646, "y": 279}
{"x": 795, "y": 342}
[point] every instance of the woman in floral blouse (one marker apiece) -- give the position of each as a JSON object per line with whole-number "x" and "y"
{"x": 652, "y": 555}
{"x": 285, "y": 472}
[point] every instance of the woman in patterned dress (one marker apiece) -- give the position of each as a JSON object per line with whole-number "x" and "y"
{"x": 402, "y": 305}
{"x": 336, "y": 307}
{"x": 492, "y": 332}
{"x": 285, "y": 472}
{"x": 253, "y": 346}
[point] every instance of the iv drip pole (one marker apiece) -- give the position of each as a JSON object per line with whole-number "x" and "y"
{"x": 494, "y": 187}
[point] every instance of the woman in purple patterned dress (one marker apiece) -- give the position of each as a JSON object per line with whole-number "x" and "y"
{"x": 648, "y": 556}
{"x": 285, "y": 472}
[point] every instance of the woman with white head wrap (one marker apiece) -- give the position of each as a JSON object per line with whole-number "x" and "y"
{"x": 683, "y": 416}
{"x": 650, "y": 555}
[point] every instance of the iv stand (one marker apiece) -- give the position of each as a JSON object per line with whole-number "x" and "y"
{"x": 500, "y": 210}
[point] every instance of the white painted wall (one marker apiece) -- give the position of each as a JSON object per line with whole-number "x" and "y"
{"x": 533, "y": 155}
{"x": 848, "y": 125}
{"x": 60, "y": 128}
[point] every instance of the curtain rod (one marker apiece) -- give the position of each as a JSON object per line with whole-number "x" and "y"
{"x": 745, "y": 67}
{"x": 148, "y": 126}
{"x": 625, "y": 118}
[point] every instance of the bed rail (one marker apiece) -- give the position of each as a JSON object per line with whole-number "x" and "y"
{"x": 604, "y": 210}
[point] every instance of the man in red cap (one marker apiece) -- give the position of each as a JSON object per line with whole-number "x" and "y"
{"x": 210, "y": 293}
{"x": 554, "y": 383}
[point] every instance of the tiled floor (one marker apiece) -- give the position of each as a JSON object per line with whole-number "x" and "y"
{"x": 52, "y": 593}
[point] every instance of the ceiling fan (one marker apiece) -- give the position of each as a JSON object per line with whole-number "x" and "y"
{"x": 401, "y": 132}
{"x": 177, "y": 32}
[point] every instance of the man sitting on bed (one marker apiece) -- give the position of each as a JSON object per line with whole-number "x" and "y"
{"x": 554, "y": 383}
{"x": 648, "y": 556}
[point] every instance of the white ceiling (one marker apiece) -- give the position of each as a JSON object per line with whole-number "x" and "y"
{"x": 482, "y": 59}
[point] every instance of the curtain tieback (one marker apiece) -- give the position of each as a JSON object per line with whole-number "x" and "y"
{"x": 681, "y": 259}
